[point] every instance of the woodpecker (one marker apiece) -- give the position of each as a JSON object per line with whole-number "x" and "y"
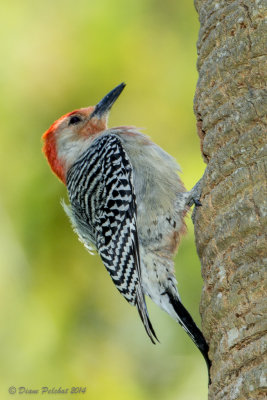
{"x": 127, "y": 203}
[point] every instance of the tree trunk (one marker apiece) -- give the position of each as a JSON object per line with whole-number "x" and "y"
{"x": 230, "y": 227}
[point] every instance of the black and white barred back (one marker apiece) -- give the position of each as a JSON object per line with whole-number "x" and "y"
{"x": 103, "y": 208}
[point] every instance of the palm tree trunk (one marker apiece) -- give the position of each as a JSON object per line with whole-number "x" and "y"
{"x": 230, "y": 227}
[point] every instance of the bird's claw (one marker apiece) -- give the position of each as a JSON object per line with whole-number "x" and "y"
{"x": 194, "y": 198}
{"x": 194, "y": 195}
{"x": 197, "y": 202}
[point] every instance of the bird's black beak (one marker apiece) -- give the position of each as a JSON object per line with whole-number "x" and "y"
{"x": 107, "y": 102}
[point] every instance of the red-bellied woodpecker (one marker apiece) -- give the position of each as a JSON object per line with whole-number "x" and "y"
{"x": 127, "y": 202}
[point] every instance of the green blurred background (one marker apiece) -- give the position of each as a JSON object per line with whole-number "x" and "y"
{"x": 63, "y": 323}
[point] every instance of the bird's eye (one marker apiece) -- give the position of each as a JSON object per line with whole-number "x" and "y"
{"x": 74, "y": 120}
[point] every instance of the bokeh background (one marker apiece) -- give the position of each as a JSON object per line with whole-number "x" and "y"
{"x": 62, "y": 322}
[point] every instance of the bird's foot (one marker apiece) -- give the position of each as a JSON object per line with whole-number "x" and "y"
{"x": 194, "y": 197}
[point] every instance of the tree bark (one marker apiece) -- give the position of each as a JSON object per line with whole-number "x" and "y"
{"x": 230, "y": 227}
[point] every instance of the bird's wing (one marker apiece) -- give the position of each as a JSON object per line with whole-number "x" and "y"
{"x": 110, "y": 207}
{"x": 116, "y": 231}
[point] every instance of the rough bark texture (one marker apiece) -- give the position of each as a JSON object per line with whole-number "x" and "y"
{"x": 230, "y": 227}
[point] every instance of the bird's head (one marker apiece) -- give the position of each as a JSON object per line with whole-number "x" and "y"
{"x": 70, "y": 135}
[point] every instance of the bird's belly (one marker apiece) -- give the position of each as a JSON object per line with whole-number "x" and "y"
{"x": 158, "y": 277}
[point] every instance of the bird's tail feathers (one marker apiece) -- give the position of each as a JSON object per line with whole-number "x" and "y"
{"x": 186, "y": 321}
{"x": 142, "y": 309}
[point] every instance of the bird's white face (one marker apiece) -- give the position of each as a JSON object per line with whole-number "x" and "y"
{"x": 71, "y": 134}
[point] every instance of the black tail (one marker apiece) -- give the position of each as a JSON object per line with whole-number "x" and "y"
{"x": 186, "y": 321}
